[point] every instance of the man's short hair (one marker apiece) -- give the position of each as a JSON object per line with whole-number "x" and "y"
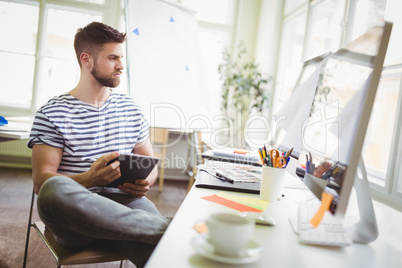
{"x": 92, "y": 37}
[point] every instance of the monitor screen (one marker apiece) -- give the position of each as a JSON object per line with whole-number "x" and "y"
{"x": 334, "y": 133}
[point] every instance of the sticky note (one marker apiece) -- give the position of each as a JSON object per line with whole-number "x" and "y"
{"x": 201, "y": 228}
{"x": 326, "y": 200}
{"x": 248, "y": 201}
{"x": 230, "y": 204}
{"x": 241, "y": 151}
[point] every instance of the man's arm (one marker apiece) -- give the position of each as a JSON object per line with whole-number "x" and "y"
{"x": 141, "y": 187}
{"x": 46, "y": 160}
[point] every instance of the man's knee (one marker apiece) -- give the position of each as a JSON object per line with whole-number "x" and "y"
{"x": 53, "y": 192}
{"x": 50, "y": 187}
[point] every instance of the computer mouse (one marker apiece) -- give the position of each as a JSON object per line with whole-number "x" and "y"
{"x": 264, "y": 220}
{"x": 259, "y": 218}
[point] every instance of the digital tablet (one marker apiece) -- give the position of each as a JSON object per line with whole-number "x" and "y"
{"x": 133, "y": 167}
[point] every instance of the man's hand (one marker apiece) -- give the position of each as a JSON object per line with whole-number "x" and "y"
{"x": 100, "y": 174}
{"x": 137, "y": 189}
{"x": 46, "y": 160}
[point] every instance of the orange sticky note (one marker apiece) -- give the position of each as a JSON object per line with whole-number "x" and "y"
{"x": 241, "y": 151}
{"x": 201, "y": 228}
{"x": 230, "y": 204}
{"x": 326, "y": 200}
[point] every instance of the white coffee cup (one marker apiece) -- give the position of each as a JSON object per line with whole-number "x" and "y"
{"x": 229, "y": 233}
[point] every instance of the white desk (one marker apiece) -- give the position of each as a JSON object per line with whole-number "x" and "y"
{"x": 13, "y": 135}
{"x": 17, "y": 129}
{"x": 282, "y": 248}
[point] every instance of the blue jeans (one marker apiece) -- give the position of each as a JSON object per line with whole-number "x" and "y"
{"x": 78, "y": 217}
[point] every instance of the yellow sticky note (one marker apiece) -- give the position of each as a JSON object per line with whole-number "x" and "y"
{"x": 248, "y": 201}
{"x": 326, "y": 200}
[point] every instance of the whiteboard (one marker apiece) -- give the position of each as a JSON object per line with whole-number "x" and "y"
{"x": 162, "y": 63}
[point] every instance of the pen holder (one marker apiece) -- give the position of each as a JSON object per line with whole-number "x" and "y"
{"x": 272, "y": 182}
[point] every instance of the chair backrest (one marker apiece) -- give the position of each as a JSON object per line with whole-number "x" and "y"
{"x": 198, "y": 147}
{"x": 159, "y": 138}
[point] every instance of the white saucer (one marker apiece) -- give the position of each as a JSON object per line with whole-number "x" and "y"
{"x": 252, "y": 252}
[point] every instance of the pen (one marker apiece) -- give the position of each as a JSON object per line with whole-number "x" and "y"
{"x": 269, "y": 162}
{"x": 262, "y": 158}
{"x": 224, "y": 177}
{"x": 213, "y": 175}
{"x": 288, "y": 153}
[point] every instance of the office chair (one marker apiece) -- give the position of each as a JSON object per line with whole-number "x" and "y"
{"x": 159, "y": 138}
{"x": 96, "y": 253}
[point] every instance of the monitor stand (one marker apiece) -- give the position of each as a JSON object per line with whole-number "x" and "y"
{"x": 365, "y": 230}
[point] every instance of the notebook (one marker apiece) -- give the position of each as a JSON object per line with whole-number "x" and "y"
{"x": 205, "y": 180}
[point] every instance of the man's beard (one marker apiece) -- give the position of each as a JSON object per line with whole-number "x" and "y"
{"x": 103, "y": 80}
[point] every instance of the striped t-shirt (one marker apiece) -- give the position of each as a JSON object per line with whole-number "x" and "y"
{"x": 86, "y": 133}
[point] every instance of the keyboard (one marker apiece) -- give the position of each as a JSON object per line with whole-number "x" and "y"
{"x": 330, "y": 231}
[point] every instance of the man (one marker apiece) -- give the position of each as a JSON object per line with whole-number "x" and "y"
{"x": 74, "y": 136}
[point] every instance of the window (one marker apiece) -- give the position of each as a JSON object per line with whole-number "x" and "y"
{"x": 215, "y": 32}
{"x": 212, "y": 43}
{"x": 17, "y": 49}
{"x": 38, "y": 51}
{"x": 386, "y": 174}
{"x": 60, "y": 71}
{"x": 324, "y": 33}
{"x": 290, "y": 56}
{"x": 305, "y": 37}
{"x": 363, "y": 15}
{"x": 378, "y": 144}
{"x": 219, "y": 12}
{"x": 291, "y": 5}
{"x": 92, "y": 1}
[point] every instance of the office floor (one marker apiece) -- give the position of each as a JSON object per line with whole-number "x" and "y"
{"x": 15, "y": 198}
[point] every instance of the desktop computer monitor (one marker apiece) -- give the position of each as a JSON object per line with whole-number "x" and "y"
{"x": 289, "y": 120}
{"x": 334, "y": 133}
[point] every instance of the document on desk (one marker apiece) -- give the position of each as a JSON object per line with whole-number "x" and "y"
{"x": 236, "y": 174}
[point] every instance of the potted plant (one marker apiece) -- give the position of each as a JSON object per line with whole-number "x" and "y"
{"x": 244, "y": 90}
